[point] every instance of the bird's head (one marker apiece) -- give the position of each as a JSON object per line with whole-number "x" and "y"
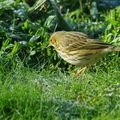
{"x": 54, "y": 39}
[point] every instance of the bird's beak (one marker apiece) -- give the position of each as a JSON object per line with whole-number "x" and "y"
{"x": 49, "y": 45}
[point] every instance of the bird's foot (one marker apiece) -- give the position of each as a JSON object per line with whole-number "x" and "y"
{"x": 80, "y": 72}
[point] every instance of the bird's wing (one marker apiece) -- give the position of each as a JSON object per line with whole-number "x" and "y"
{"x": 95, "y": 44}
{"x": 76, "y": 40}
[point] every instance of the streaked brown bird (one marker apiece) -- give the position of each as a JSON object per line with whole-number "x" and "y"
{"x": 78, "y": 49}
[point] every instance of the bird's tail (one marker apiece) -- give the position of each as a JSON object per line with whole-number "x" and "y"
{"x": 116, "y": 49}
{"x": 112, "y": 49}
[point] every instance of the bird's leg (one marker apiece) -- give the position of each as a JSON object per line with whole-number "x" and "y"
{"x": 80, "y": 72}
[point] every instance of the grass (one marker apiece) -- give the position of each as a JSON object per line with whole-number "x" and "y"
{"x": 54, "y": 95}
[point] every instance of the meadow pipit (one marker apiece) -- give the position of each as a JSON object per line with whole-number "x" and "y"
{"x": 78, "y": 49}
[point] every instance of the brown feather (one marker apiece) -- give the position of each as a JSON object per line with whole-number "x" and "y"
{"x": 77, "y": 48}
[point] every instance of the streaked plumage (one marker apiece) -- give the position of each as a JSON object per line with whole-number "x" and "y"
{"x": 78, "y": 49}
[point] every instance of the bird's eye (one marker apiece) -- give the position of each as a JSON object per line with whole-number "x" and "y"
{"x": 53, "y": 41}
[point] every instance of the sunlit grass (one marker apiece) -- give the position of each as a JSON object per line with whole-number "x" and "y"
{"x": 32, "y": 94}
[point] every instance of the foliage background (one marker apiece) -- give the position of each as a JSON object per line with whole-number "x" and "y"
{"x": 25, "y": 33}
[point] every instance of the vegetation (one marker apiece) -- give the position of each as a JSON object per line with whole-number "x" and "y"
{"x": 35, "y": 83}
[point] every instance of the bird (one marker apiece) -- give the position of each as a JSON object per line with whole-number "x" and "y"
{"x": 78, "y": 49}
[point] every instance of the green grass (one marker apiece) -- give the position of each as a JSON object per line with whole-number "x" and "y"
{"x": 54, "y": 95}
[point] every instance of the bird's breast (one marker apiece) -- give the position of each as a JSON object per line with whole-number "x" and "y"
{"x": 73, "y": 59}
